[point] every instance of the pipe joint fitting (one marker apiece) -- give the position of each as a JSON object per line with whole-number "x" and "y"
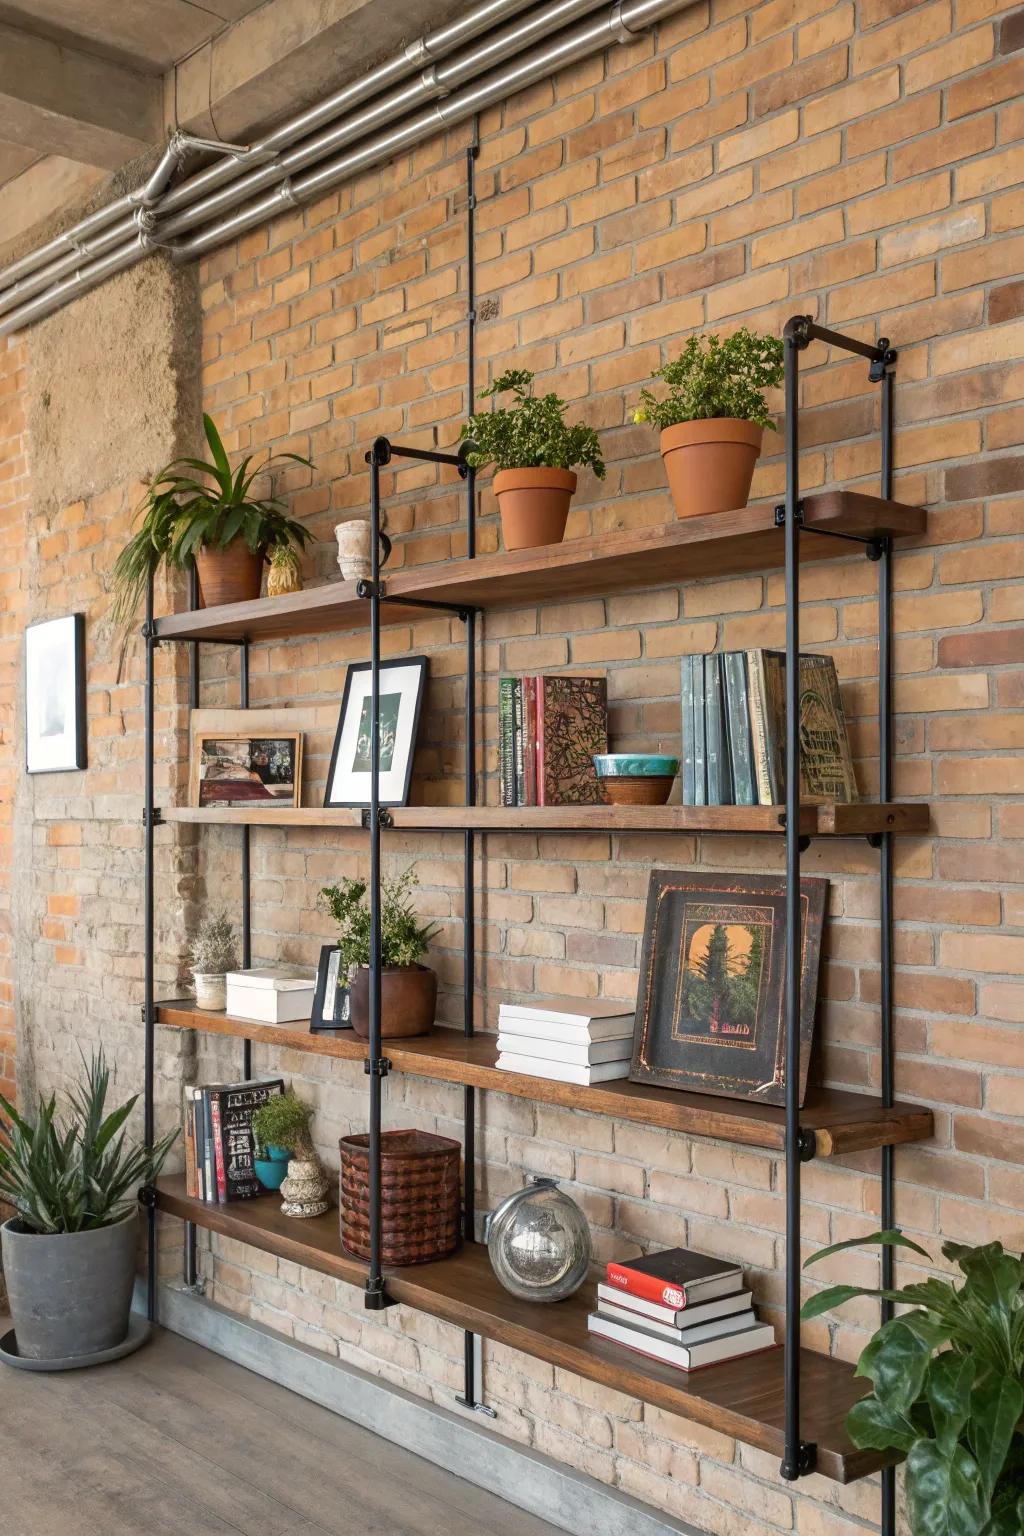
{"x": 286, "y": 193}
{"x": 432, "y": 83}
{"x": 619, "y": 27}
{"x": 417, "y": 52}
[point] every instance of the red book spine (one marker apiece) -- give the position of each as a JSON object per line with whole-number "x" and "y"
{"x": 530, "y": 738}
{"x": 218, "y": 1149}
{"x": 539, "y": 729}
{"x": 649, "y": 1287}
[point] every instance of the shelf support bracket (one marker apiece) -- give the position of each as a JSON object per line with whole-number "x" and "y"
{"x": 147, "y": 1197}
{"x": 375, "y": 1296}
{"x": 384, "y": 818}
{"x": 802, "y": 1464}
{"x": 807, "y": 1144}
{"x": 378, "y": 1066}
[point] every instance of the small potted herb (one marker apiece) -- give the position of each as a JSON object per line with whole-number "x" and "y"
{"x": 212, "y": 952}
{"x": 215, "y": 520}
{"x": 713, "y": 418}
{"x": 408, "y": 989}
{"x": 285, "y": 1157}
{"x": 534, "y": 453}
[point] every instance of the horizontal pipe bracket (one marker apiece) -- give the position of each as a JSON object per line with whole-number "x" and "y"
{"x": 801, "y": 1463}
{"x": 379, "y": 452}
{"x": 806, "y": 1144}
{"x": 483, "y": 1408}
{"x": 880, "y": 365}
{"x": 156, "y": 814}
{"x": 375, "y": 1297}
{"x": 147, "y": 1197}
{"x": 370, "y": 589}
{"x": 384, "y": 818}
{"x": 378, "y": 1066}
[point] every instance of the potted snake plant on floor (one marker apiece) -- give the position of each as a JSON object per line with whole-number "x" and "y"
{"x": 69, "y": 1251}
{"x": 206, "y": 511}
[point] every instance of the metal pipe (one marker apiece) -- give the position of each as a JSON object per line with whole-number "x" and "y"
{"x": 243, "y": 689}
{"x": 149, "y": 936}
{"x": 375, "y": 1280}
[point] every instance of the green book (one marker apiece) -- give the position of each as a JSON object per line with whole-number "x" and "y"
{"x": 506, "y": 739}
{"x": 737, "y": 717}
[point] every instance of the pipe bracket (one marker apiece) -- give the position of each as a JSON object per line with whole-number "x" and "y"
{"x": 618, "y": 26}
{"x": 801, "y": 1463}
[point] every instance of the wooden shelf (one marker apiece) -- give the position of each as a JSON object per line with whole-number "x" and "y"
{"x": 815, "y": 820}
{"x": 691, "y": 550}
{"x": 743, "y": 1398}
{"x": 842, "y": 1122}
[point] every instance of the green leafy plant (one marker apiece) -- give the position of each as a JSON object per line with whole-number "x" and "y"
{"x": 182, "y": 513}
{"x": 77, "y": 1172}
{"x": 283, "y": 1121}
{"x": 948, "y": 1380}
{"x": 529, "y": 433}
{"x": 403, "y": 938}
{"x": 213, "y": 948}
{"x": 713, "y": 378}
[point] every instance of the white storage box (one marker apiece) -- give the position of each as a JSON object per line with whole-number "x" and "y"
{"x": 271, "y": 994}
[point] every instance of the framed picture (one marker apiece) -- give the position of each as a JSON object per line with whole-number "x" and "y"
{"x": 331, "y": 1008}
{"x": 401, "y": 694}
{"x": 229, "y": 770}
{"x": 55, "y": 695}
{"x": 709, "y": 1012}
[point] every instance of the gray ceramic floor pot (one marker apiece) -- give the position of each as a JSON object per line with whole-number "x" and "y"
{"x": 70, "y": 1294}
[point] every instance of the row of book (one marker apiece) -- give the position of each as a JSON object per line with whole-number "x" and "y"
{"x": 570, "y": 1040}
{"x": 549, "y": 728}
{"x": 681, "y": 1307}
{"x": 734, "y": 730}
{"x": 220, "y": 1150}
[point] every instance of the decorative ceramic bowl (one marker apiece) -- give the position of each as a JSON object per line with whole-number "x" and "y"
{"x": 635, "y": 778}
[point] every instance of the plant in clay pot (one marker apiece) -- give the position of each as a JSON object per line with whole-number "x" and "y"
{"x": 408, "y": 989}
{"x": 212, "y": 952}
{"x": 214, "y": 519}
{"x": 69, "y": 1251}
{"x": 280, "y": 1128}
{"x": 947, "y": 1388}
{"x": 713, "y": 418}
{"x": 285, "y": 573}
{"x": 534, "y": 453}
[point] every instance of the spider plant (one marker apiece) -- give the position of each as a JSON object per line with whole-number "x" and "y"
{"x": 181, "y": 513}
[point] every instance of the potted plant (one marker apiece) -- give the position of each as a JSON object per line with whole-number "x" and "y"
{"x": 408, "y": 989}
{"x": 713, "y": 418}
{"x": 948, "y": 1388}
{"x": 69, "y": 1250}
{"x": 285, "y": 1156}
{"x": 534, "y": 453}
{"x": 285, "y": 573}
{"x": 214, "y": 519}
{"x": 212, "y": 953}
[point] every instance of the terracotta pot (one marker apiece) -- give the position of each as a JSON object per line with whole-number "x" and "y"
{"x": 534, "y": 505}
{"x": 229, "y": 575}
{"x": 408, "y": 1001}
{"x": 710, "y": 464}
{"x": 645, "y": 789}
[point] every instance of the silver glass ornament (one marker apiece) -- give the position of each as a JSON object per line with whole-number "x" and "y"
{"x": 538, "y": 1242}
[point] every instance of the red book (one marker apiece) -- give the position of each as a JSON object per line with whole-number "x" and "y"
{"x": 218, "y": 1148}
{"x": 530, "y": 738}
{"x": 675, "y": 1277}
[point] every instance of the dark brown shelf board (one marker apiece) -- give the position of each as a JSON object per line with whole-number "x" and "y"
{"x": 742, "y": 1398}
{"x": 694, "y": 549}
{"x": 815, "y": 820}
{"x": 842, "y": 1122}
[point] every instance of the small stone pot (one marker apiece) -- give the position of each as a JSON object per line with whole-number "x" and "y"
{"x": 710, "y": 464}
{"x": 229, "y": 575}
{"x": 70, "y": 1293}
{"x": 211, "y": 989}
{"x": 355, "y": 548}
{"x": 305, "y": 1188}
{"x": 408, "y": 1001}
{"x": 534, "y": 505}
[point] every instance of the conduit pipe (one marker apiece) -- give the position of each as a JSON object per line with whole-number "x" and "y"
{"x": 620, "y": 24}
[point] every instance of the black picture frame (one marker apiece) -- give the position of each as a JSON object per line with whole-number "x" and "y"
{"x": 78, "y": 758}
{"x": 356, "y": 672}
{"x": 326, "y": 973}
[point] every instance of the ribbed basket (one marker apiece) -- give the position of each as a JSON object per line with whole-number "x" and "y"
{"x": 420, "y": 1196}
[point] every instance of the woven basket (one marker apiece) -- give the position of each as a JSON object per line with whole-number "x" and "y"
{"x": 420, "y": 1189}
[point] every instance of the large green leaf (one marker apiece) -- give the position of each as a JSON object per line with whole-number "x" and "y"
{"x": 895, "y": 1361}
{"x": 1007, "y": 1521}
{"x": 996, "y": 1407}
{"x": 995, "y": 1275}
{"x": 948, "y": 1383}
{"x": 883, "y": 1239}
{"x": 944, "y": 1492}
{"x": 873, "y": 1426}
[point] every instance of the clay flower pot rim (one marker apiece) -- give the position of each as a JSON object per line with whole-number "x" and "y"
{"x": 539, "y": 474}
{"x": 712, "y": 429}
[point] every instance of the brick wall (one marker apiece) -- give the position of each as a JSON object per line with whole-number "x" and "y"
{"x": 836, "y": 160}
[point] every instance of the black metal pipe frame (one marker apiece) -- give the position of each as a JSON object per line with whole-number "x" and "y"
{"x": 243, "y": 690}
{"x": 189, "y": 1262}
{"x": 148, "y": 1004}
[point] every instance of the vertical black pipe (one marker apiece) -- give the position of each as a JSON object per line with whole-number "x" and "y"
{"x": 190, "y": 1253}
{"x": 149, "y": 938}
{"x": 375, "y": 1283}
{"x": 193, "y": 649}
{"x": 887, "y": 1047}
{"x": 791, "y": 1459}
{"x": 243, "y": 691}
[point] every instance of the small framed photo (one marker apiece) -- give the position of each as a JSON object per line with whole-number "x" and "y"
{"x": 55, "y": 695}
{"x": 401, "y": 694}
{"x": 331, "y": 1009}
{"x": 244, "y": 771}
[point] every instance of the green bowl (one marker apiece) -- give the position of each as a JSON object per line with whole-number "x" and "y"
{"x": 635, "y": 765}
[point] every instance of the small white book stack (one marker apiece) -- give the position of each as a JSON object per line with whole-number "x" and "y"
{"x": 569, "y": 1039}
{"x": 268, "y": 994}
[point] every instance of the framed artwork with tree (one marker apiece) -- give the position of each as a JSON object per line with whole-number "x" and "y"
{"x": 709, "y": 1013}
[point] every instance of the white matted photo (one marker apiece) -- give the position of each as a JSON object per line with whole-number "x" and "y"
{"x": 55, "y": 695}
{"x": 401, "y": 694}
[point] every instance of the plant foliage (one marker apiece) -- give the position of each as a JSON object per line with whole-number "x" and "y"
{"x": 283, "y": 1121}
{"x": 182, "y": 513}
{"x": 529, "y": 433}
{"x": 79, "y": 1172}
{"x": 213, "y": 948}
{"x": 948, "y": 1381}
{"x": 403, "y": 938}
{"x": 713, "y": 378}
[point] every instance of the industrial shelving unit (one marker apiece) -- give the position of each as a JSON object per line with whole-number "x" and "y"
{"x": 791, "y": 1402}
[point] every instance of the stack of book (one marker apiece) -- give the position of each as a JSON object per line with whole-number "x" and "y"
{"x": 220, "y": 1150}
{"x": 680, "y": 1307}
{"x": 734, "y": 730}
{"x": 568, "y": 1039}
{"x": 549, "y": 728}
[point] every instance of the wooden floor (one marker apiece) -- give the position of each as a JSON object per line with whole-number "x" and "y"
{"x": 175, "y": 1441}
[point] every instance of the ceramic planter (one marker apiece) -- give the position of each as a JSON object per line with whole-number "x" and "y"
{"x": 211, "y": 989}
{"x": 272, "y": 1168}
{"x": 229, "y": 575}
{"x": 70, "y": 1293}
{"x": 534, "y": 505}
{"x": 408, "y": 1001}
{"x": 355, "y": 549}
{"x": 710, "y": 464}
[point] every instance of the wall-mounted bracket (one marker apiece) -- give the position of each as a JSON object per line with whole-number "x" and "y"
{"x": 375, "y": 1297}
{"x": 368, "y": 589}
{"x": 384, "y": 818}
{"x": 780, "y": 514}
{"x": 804, "y": 1462}
{"x": 379, "y": 1066}
{"x": 807, "y": 1144}
{"x": 147, "y": 1197}
{"x": 880, "y": 365}
{"x": 156, "y": 814}
{"x": 379, "y": 452}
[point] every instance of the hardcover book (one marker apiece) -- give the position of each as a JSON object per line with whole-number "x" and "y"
{"x": 699, "y": 1333}
{"x": 675, "y": 1317}
{"x": 675, "y": 1277}
{"x": 826, "y": 767}
{"x": 506, "y": 739}
{"x": 719, "y": 769}
{"x": 688, "y": 1358}
{"x": 737, "y": 713}
{"x": 572, "y": 725}
{"x": 233, "y": 1109}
